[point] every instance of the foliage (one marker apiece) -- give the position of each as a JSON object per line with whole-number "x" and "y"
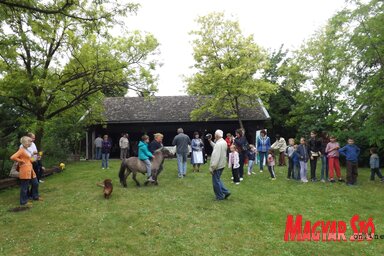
{"x": 180, "y": 216}
{"x": 51, "y": 63}
{"x": 227, "y": 68}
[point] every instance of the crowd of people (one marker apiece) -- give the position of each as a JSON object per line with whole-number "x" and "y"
{"x": 233, "y": 151}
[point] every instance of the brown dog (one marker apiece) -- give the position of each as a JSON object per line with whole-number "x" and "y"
{"x": 108, "y": 187}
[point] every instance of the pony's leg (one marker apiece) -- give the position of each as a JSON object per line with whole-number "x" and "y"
{"x": 134, "y": 178}
{"x": 125, "y": 178}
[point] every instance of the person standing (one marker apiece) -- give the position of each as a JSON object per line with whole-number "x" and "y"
{"x": 124, "y": 146}
{"x": 26, "y": 172}
{"x": 374, "y": 164}
{"x": 154, "y": 145}
{"x": 324, "y": 157}
{"x": 289, "y": 151}
{"x": 351, "y": 153}
{"x": 35, "y": 157}
{"x": 281, "y": 145}
{"x": 263, "y": 145}
{"x": 98, "y": 142}
{"x": 251, "y": 154}
{"x": 333, "y": 159}
{"x": 241, "y": 144}
{"x": 106, "y": 146}
{"x": 314, "y": 145}
{"x": 217, "y": 164}
{"x": 181, "y": 141}
{"x": 233, "y": 164}
{"x": 197, "y": 157}
{"x": 303, "y": 153}
{"x": 229, "y": 141}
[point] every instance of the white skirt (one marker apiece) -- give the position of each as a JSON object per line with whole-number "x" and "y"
{"x": 197, "y": 157}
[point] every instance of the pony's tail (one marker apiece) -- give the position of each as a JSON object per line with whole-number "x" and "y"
{"x": 122, "y": 170}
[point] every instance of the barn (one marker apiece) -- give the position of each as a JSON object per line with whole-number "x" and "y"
{"x": 137, "y": 116}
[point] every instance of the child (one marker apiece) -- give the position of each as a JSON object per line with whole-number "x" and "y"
{"x": 289, "y": 152}
{"x": 251, "y": 154}
{"x": 296, "y": 163}
{"x": 271, "y": 163}
{"x": 145, "y": 155}
{"x": 333, "y": 158}
{"x": 26, "y": 172}
{"x": 374, "y": 163}
{"x": 303, "y": 152}
{"x": 351, "y": 153}
{"x": 233, "y": 163}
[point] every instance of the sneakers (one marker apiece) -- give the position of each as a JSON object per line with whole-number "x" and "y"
{"x": 273, "y": 178}
{"x": 237, "y": 183}
{"x": 322, "y": 180}
{"x": 227, "y": 195}
{"x": 241, "y": 179}
{"x": 232, "y": 178}
{"x": 261, "y": 170}
{"x": 150, "y": 179}
{"x": 341, "y": 180}
{"x": 249, "y": 173}
{"x": 332, "y": 180}
{"x": 41, "y": 181}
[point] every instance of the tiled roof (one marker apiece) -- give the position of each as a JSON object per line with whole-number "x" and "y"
{"x": 162, "y": 109}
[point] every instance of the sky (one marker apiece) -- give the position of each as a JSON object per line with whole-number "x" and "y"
{"x": 272, "y": 22}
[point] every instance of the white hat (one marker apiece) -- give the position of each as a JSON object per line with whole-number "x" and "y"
{"x": 219, "y": 133}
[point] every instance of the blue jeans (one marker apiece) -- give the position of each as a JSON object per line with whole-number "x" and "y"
{"x": 181, "y": 164}
{"x": 24, "y": 185}
{"x": 104, "y": 160}
{"x": 218, "y": 187}
{"x": 148, "y": 167}
{"x": 262, "y": 155}
{"x": 250, "y": 165}
{"x": 324, "y": 167}
{"x": 98, "y": 153}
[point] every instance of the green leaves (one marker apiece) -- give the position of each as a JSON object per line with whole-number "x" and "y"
{"x": 227, "y": 68}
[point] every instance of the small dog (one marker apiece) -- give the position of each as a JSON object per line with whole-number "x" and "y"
{"x": 108, "y": 187}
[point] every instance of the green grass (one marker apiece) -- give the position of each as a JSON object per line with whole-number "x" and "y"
{"x": 180, "y": 216}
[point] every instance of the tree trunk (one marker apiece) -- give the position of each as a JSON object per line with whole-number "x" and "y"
{"x": 39, "y": 134}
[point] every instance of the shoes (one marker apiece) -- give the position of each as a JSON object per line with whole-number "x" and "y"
{"x": 273, "y": 178}
{"x": 237, "y": 183}
{"x": 304, "y": 181}
{"x": 314, "y": 180}
{"x": 249, "y": 173}
{"x": 255, "y": 173}
{"x": 150, "y": 179}
{"x": 103, "y": 168}
{"x": 241, "y": 179}
{"x": 41, "y": 181}
{"x": 232, "y": 178}
{"x": 332, "y": 180}
{"x": 261, "y": 170}
{"x": 227, "y": 195}
{"x": 28, "y": 204}
{"x": 341, "y": 180}
{"x": 322, "y": 180}
{"x": 38, "y": 199}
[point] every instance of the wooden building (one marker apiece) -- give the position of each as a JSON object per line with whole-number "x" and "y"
{"x": 137, "y": 116}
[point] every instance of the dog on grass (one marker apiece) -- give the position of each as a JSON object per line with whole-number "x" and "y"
{"x": 108, "y": 187}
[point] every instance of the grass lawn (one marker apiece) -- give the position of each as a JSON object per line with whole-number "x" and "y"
{"x": 180, "y": 216}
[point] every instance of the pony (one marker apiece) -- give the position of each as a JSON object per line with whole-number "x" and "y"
{"x": 134, "y": 165}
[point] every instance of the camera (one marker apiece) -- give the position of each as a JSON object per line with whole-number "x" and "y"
{"x": 208, "y": 136}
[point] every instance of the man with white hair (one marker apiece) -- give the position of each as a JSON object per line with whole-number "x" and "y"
{"x": 218, "y": 162}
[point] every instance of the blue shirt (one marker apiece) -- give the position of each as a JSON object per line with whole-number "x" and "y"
{"x": 351, "y": 152}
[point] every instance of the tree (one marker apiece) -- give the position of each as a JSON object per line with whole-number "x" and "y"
{"x": 50, "y": 63}
{"x": 228, "y": 69}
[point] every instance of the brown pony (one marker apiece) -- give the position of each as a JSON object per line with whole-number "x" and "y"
{"x": 134, "y": 165}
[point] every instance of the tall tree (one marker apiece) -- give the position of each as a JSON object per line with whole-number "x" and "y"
{"x": 228, "y": 69}
{"x": 50, "y": 63}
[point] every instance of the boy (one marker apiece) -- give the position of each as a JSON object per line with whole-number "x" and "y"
{"x": 374, "y": 163}
{"x": 351, "y": 153}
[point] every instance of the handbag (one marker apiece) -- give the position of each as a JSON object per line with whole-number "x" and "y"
{"x": 14, "y": 173}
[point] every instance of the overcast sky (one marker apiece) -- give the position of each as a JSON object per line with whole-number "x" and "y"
{"x": 272, "y": 22}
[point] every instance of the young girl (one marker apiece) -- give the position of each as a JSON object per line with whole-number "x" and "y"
{"x": 105, "y": 150}
{"x": 304, "y": 153}
{"x": 26, "y": 173}
{"x": 145, "y": 155}
{"x": 233, "y": 163}
{"x": 271, "y": 163}
{"x": 289, "y": 152}
{"x": 333, "y": 158}
{"x": 296, "y": 163}
{"x": 251, "y": 154}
